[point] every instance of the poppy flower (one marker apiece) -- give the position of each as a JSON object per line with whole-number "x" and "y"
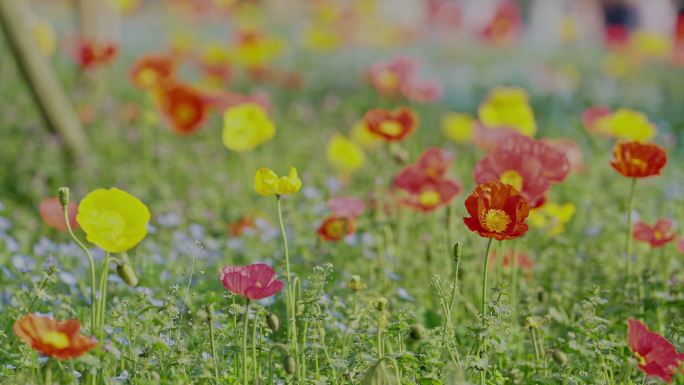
{"x": 350, "y": 207}
{"x": 508, "y": 107}
{"x": 571, "y": 149}
{"x": 431, "y": 195}
{"x": 487, "y": 138}
{"x": 246, "y": 126}
{"x": 638, "y": 160}
{"x": 113, "y": 219}
{"x": 623, "y": 124}
{"x": 552, "y": 216}
{"x": 529, "y": 165}
{"x": 255, "y": 281}
{"x": 505, "y": 26}
{"x": 657, "y": 235}
{"x": 335, "y": 228}
{"x": 388, "y": 76}
{"x": 238, "y": 227}
{"x": 422, "y": 91}
{"x": 458, "y": 127}
{"x": 657, "y": 357}
{"x": 344, "y": 154}
{"x": 432, "y": 166}
{"x": 254, "y": 50}
{"x": 184, "y": 107}
{"x": 53, "y": 215}
{"x": 53, "y": 338}
{"x": 391, "y": 126}
{"x": 150, "y": 70}
{"x": 91, "y": 54}
{"x": 591, "y": 118}
{"x": 267, "y": 182}
{"x": 497, "y": 210}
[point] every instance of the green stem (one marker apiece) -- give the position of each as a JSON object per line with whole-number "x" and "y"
{"x": 102, "y": 302}
{"x": 93, "y": 314}
{"x": 628, "y": 237}
{"x": 244, "y": 344}
{"x": 213, "y": 348}
{"x": 255, "y": 367}
{"x": 483, "y": 309}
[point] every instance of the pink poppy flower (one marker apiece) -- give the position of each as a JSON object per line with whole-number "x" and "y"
{"x": 255, "y": 281}
{"x": 529, "y": 165}
{"x": 657, "y": 235}
{"x": 422, "y": 91}
{"x": 432, "y": 195}
{"x": 571, "y": 149}
{"x": 388, "y": 76}
{"x": 53, "y": 215}
{"x": 431, "y": 167}
{"x": 591, "y": 116}
{"x": 505, "y": 26}
{"x": 656, "y": 355}
{"x": 346, "y": 207}
{"x": 488, "y": 138}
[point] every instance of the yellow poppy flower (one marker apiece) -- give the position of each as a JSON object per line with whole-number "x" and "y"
{"x": 345, "y": 155}
{"x": 458, "y": 127}
{"x": 552, "y": 216}
{"x": 267, "y": 182}
{"x": 509, "y": 108}
{"x": 628, "y": 125}
{"x": 246, "y": 126}
{"x": 113, "y": 219}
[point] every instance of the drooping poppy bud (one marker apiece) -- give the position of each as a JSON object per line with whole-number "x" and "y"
{"x": 127, "y": 274}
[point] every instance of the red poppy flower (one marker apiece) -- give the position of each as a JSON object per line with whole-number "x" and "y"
{"x": 529, "y": 165}
{"x": 89, "y": 54}
{"x": 657, "y": 357}
{"x": 387, "y": 77}
{"x": 53, "y": 215}
{"x": 431, "y": 167}
{"x": 149, "y": 71}
{"x": 432, "y": 195}
{"x": 58, "y": 339}
{"x": 505, "y": 27}
{"x": 255, "y": 281}
{"x": 497, "y": 210}
{"x": 657, "y": 235}
{"x": 183, "y": 106}
{"x": 391, "y": 126}
{"x": 243, "y": 224}
{"x": 638, "y": 160}
{"x": 335, "y": 228}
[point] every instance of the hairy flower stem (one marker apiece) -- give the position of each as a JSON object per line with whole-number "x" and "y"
{"x": 93, "y": 314}
{"x": 212, "y": 338}
{"x": 244, "y": 344}
{"x": 291, "y": 305}
{"x": 102, "y": 301}
{"x": 628, "y": 237}
{"x": 483, "y": 305}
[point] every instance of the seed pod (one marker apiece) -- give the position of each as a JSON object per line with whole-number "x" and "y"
{"x": 273, "y": 322}
{"x": 290, "y": 364}
{"x": 355, "y": 283}
{"x": 64, "y": 196}
{"x": 416, "y": 332}
{"x": 126, "y": 272}
{"x": 559, "y": 357}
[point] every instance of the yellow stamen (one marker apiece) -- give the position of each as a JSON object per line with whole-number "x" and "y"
{"x": 429, "y": 198}
{"x": 390, "y": 128}
{"x": 57, "y": 340}
{"x": 496, "y": 220}
{"x": 513, "y": 178}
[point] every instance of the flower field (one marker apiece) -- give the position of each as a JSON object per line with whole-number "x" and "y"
{"x": 341, "y": 192}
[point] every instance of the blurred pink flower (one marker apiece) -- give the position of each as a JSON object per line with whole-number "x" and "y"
{"x": 423, "y": 91}
{"x": 53, "y": 215}
{"x": 255, "y": 281}
{"x": 657, "y": 235}
{"x": 591, "y": 115}
{"x": 431, "y": 167}
{"x": 347, "y": 207}
{"x": 488, "y": 138}
{"x": 571, "y": 149}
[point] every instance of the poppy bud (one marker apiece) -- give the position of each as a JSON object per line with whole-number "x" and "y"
{"x": 210, "y": 312}
{"x": 355, "y": 283}
{"x": 273, "y": 322}
{"x": 559, "y": 357}
{"x": 290, "y": 364}
{"x": 300, "y": 309}
{"x": 64, "y": 196}
{"x": 416, "y": 332}
{"x": 126, "y": 272}
{"x": 381, "y": 304}
{"x": 457, "y": 251}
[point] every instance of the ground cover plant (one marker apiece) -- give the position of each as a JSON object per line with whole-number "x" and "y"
{"x": 339, "y": 192}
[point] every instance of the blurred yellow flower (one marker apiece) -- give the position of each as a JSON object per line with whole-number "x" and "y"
{"x": 651, "y": 45}
{"x": 267, "y": 182}
{"x": 246, "y": 126}
{"x": 255, "y": 50}
{"x": 628, "y": 125}
{"x": 321, "y": 38}
{"x": 345, "y": 155}
{"x": 45, "y": 37}
{"x": 619, "y": 65}
{"x": 552, "y": 216}
{"x": 126, "y": 6}
{"x": 508, "y": 107}
{"x": 363, "y": 136}
{"x": 458, "y": 127}
{"x": 113, "y": 219}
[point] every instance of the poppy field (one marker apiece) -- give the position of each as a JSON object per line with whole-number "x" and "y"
{"x": 334, "y": 192}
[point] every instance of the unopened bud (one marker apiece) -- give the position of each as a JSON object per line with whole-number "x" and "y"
{"x": 210, "y": 312}
{"x": 559, "y": 357}
{"x": 273, "y": 322}
{"x": 127, "y": 274}
{"x": 456, "y": 252}
{"x": 64, "y": 196}
{"x": 355, "y": 283}
{"x": 290, "y": 364}
{"x": 381, "y": 304}
{"x": 416, "y": 332}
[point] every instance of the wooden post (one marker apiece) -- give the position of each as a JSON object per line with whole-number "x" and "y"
{"x": 46, "y": 90}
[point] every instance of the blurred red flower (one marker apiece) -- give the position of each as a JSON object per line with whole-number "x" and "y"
{"x": 89, "y": 54}
{"x": 657, "y": 235}
{"x": 53, "y": 338}
{"x": 149, "y": 71}
{"x": 638, "y": 160}
{"x": 335, "y": 228}
{"x": 184, "y": 107}
{"x": 391, "y": 125}
{"x": 529, "y": 165}
{"x": 656, "y": 355}
{"x": 505, "y": 26}
{"x": 255, "y": 281}
{"x": 53, "y": 215}
{"x": 426, "y": 182}
{"x": 496, "y": 210}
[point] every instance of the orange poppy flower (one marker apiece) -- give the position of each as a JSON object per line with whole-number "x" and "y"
{"x": 638, "y": 160}
{"x": 184, "y": 107}
{"x": 150, "y": 70}
{"x": 497, "y": 210}
{"x": 53, "y": 338}
{"x": 335, "y": 228}
{"x": 391, "y": 126}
